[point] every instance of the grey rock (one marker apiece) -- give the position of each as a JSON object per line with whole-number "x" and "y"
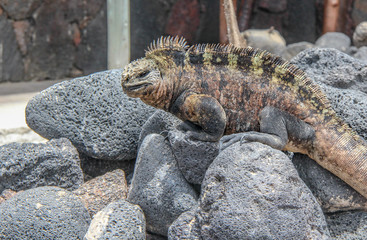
{"x": 119, "y": 220}
{"x": 193, "y": 157}
{"x": 93, "y": 113}
{"x": 361, "y": 53}
{"x": 332, "y": 193}
{"x": 293, "y": 49}
{"x": 352, "y": 51}
{"x": 11, "y": 64}
{"x": 252, "y": 191}
{"x": 333, "y": 68}
{"x": 160, "y": 122}
{"x": 266, "y": 39}
{"x": 30, "y": 165}
{"x": 360, "y": 35}
{"x": 43, "y": 213}
{"x": 351, "y": 106}
{"x": 344, "y": 81}
{"x": 186, "y": 226}
{"x": 158, "y": 186}
{"x": 350, "y": 225}
{"x": 336, "y": 40}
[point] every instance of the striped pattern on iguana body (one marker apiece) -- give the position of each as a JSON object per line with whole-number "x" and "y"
{"x": 220, "y": 90}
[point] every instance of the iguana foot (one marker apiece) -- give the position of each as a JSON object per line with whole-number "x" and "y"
{"x": 265, "y": 138}
{"x": 195, "y": 132}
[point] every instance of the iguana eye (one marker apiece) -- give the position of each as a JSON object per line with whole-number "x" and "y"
{"x": 143, "y": 74}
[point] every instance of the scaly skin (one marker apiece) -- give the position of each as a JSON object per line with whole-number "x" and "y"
{"x": 220, "y": 90}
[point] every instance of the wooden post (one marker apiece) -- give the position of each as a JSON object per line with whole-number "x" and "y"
{"x": 118, "y": 22}
{"x": 331, "y": 14}
{"x": 229, "y": 25}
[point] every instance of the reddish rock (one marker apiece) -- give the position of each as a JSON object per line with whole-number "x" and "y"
{"x": 76, "y": 34}
{"x": 20, "y": 29}
{"x": 100, "y": 191}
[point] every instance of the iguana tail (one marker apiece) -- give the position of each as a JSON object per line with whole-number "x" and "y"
{"x": 344, "y": 153}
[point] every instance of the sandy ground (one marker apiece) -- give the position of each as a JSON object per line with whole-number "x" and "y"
{"x": 13, "y": 100}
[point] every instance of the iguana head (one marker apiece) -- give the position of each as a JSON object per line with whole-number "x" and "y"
{"x": 140, "y": 78}
{"x": 152, "y": 78}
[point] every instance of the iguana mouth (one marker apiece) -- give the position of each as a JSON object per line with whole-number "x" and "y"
{"x": 136, "y": 86}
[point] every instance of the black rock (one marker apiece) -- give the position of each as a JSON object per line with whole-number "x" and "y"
{"x": 158, "y": 186}
{"x": 350, "y": 225}
{"x": 252, "y": 191}
{"x": 96, "y": 167}
{"x": 30, "y": 165}
{"x": 93, "y": 113}
{"x": 91, "y": 55}
{"x": 19, "y": 9}
{"x": 11, "y": 64}
{"x": 43, "y": 213}
{"x": 119, "y": 220}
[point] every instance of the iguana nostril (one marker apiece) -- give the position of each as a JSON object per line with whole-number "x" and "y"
{"x": 124, "y": 78}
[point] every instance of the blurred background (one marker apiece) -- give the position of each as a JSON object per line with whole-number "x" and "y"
{"x": 58, "y": 39}
{"x": 43, "y": 42}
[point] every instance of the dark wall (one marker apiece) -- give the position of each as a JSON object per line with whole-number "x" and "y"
{"x": 296, "y": 20}
{"x": 196, "y": 20}
{"x": 51, "y": 39}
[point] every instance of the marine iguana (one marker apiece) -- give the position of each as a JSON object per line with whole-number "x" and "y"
{"x": 221, "y": 89}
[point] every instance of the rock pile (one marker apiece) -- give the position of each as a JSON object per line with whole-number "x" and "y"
{"x": 272, "y": 41}
{"x": 179, "y": 188}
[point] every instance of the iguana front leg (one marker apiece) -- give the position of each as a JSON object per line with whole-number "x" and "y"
{"x": 279, "y": 130}
{"x": 204, "y": 118}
